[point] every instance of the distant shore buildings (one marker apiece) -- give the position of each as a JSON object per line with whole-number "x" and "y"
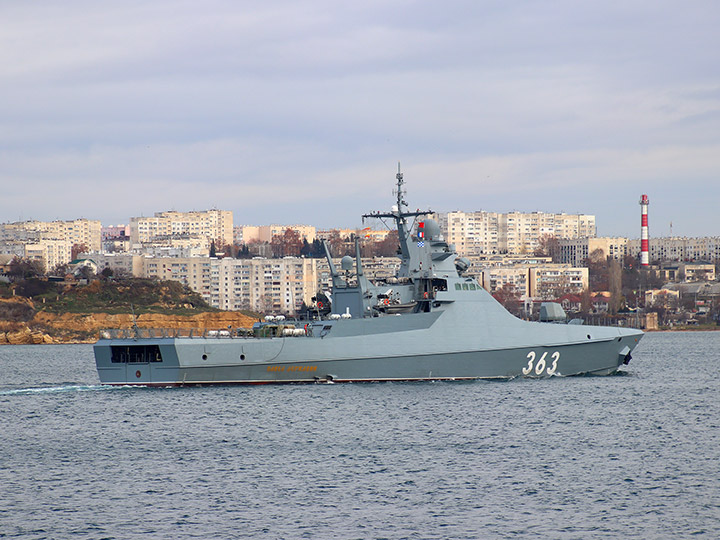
{"x": 538, "y": 255}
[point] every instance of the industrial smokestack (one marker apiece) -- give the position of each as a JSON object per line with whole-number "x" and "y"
{"x": 644, "y": 238}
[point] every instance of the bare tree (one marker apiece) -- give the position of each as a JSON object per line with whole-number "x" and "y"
{"x": 21, "y": 268}
{"x": 509, "y": 297}
{"x": 287, "y": 244}
{"x": 547, "y": 247}
{"x": 615, "y": 285}
{"x": 77, "y": 249}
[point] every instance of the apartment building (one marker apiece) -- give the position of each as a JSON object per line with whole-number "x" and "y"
{"x": 544, "y": 281}
{"x": 49, "y": 253}
{"x": 122, "y": 264}
{"x": 576, "y": 251}
{"x": 687, "y": 271}
{"x": 706, "y": 248}
{"x": 77, "y": 231}
{"x": 212, "y": 225}
{"x": 258, "y": 284}
{"x": 478, "y": 233}
{"x": 49, "y": 242}
{"x": 374, "y": 268}
{"x": 264, "y": 233}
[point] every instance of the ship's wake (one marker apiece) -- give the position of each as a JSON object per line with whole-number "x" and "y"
{"x": 61, "y": 389}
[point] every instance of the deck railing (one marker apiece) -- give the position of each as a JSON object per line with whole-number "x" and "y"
{"x": 146, "y": 333}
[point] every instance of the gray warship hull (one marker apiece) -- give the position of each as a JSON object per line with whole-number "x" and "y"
{"x": 422, "y": 346}
{"x": 429, "y": 322}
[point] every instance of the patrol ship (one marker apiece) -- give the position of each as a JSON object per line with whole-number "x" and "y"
{"x": 430, "y": 322}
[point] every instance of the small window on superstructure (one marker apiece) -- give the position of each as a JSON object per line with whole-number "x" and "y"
{"x": 465, "y": 286}
{"x": 458, "y": 287}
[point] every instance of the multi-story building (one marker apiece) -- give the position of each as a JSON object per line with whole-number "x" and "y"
{"x": 497, "y": 277}
{"x": 115, "y": 231}
{"x": 543, "y": 281}
{"x": 478, "y": 233}
{"x": 374, "y": 268}
{"x": 706, "y": 248}
{"x": 258, "y": 284}
{"x": 576, "y": 251}
{"x": 264, "y": 233}
{"x": 49, "y": 242}
{"x": 122, "y": 264}
{"x": 195, "y": 272}
{"x": 78, "y": 231}
{"x": 687, "y": 271}
{"x": 549, "y": 282}
{"x": 49, "y": 253}
{"x": 214, "y": 225}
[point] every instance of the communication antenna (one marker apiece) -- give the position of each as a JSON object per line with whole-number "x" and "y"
{"x": 399, "y": 191}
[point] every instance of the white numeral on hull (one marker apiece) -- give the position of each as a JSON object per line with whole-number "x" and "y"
{"x": 541, "y": 364}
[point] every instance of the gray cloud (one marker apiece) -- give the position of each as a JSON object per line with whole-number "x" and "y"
{"x": 288, "y": 112}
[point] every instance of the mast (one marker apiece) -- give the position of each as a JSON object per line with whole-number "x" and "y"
{"x": 399, "y": 215}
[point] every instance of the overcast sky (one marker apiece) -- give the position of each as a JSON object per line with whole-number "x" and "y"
{"x": 298, "y": 112}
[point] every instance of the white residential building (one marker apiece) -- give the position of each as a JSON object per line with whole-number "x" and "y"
{"x": 706, "y": 248}
{"x": 258, "y": 284}
{"x": 212, "y": 225}
{"x": 49, "y": 242}
{"x": 478, "y": 233}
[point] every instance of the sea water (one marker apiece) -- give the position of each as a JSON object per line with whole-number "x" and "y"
{"x": 635, "y": 455}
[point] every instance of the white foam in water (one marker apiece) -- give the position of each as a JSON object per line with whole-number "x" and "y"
{"x": 60, "y": 389}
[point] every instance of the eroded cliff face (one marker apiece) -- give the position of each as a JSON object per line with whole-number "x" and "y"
{"x": 25, "y": 336}
{"x": 84, "y": 327}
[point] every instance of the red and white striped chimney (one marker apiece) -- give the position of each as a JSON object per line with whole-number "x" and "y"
{"x": 644, "y": 238}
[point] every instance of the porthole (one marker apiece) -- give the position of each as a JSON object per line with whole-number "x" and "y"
{"x": 204, "y": 356}
{"x": 589, "y": 336}
{"x": 242, "y": 357}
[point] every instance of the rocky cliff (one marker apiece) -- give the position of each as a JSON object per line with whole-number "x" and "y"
{"x": 37, "y": 311}
{"x": 47, "y": 327}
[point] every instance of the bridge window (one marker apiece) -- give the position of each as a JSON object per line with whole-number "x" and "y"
{"x": 135, "y": 354}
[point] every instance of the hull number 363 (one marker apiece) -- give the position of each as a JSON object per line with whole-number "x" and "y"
{"x": 543, "y": 364}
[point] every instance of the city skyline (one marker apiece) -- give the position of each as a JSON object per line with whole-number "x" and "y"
{"x": 299, "y": 114}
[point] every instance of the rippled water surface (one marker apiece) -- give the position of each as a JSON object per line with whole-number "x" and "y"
{"x": 629, "y": 456}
